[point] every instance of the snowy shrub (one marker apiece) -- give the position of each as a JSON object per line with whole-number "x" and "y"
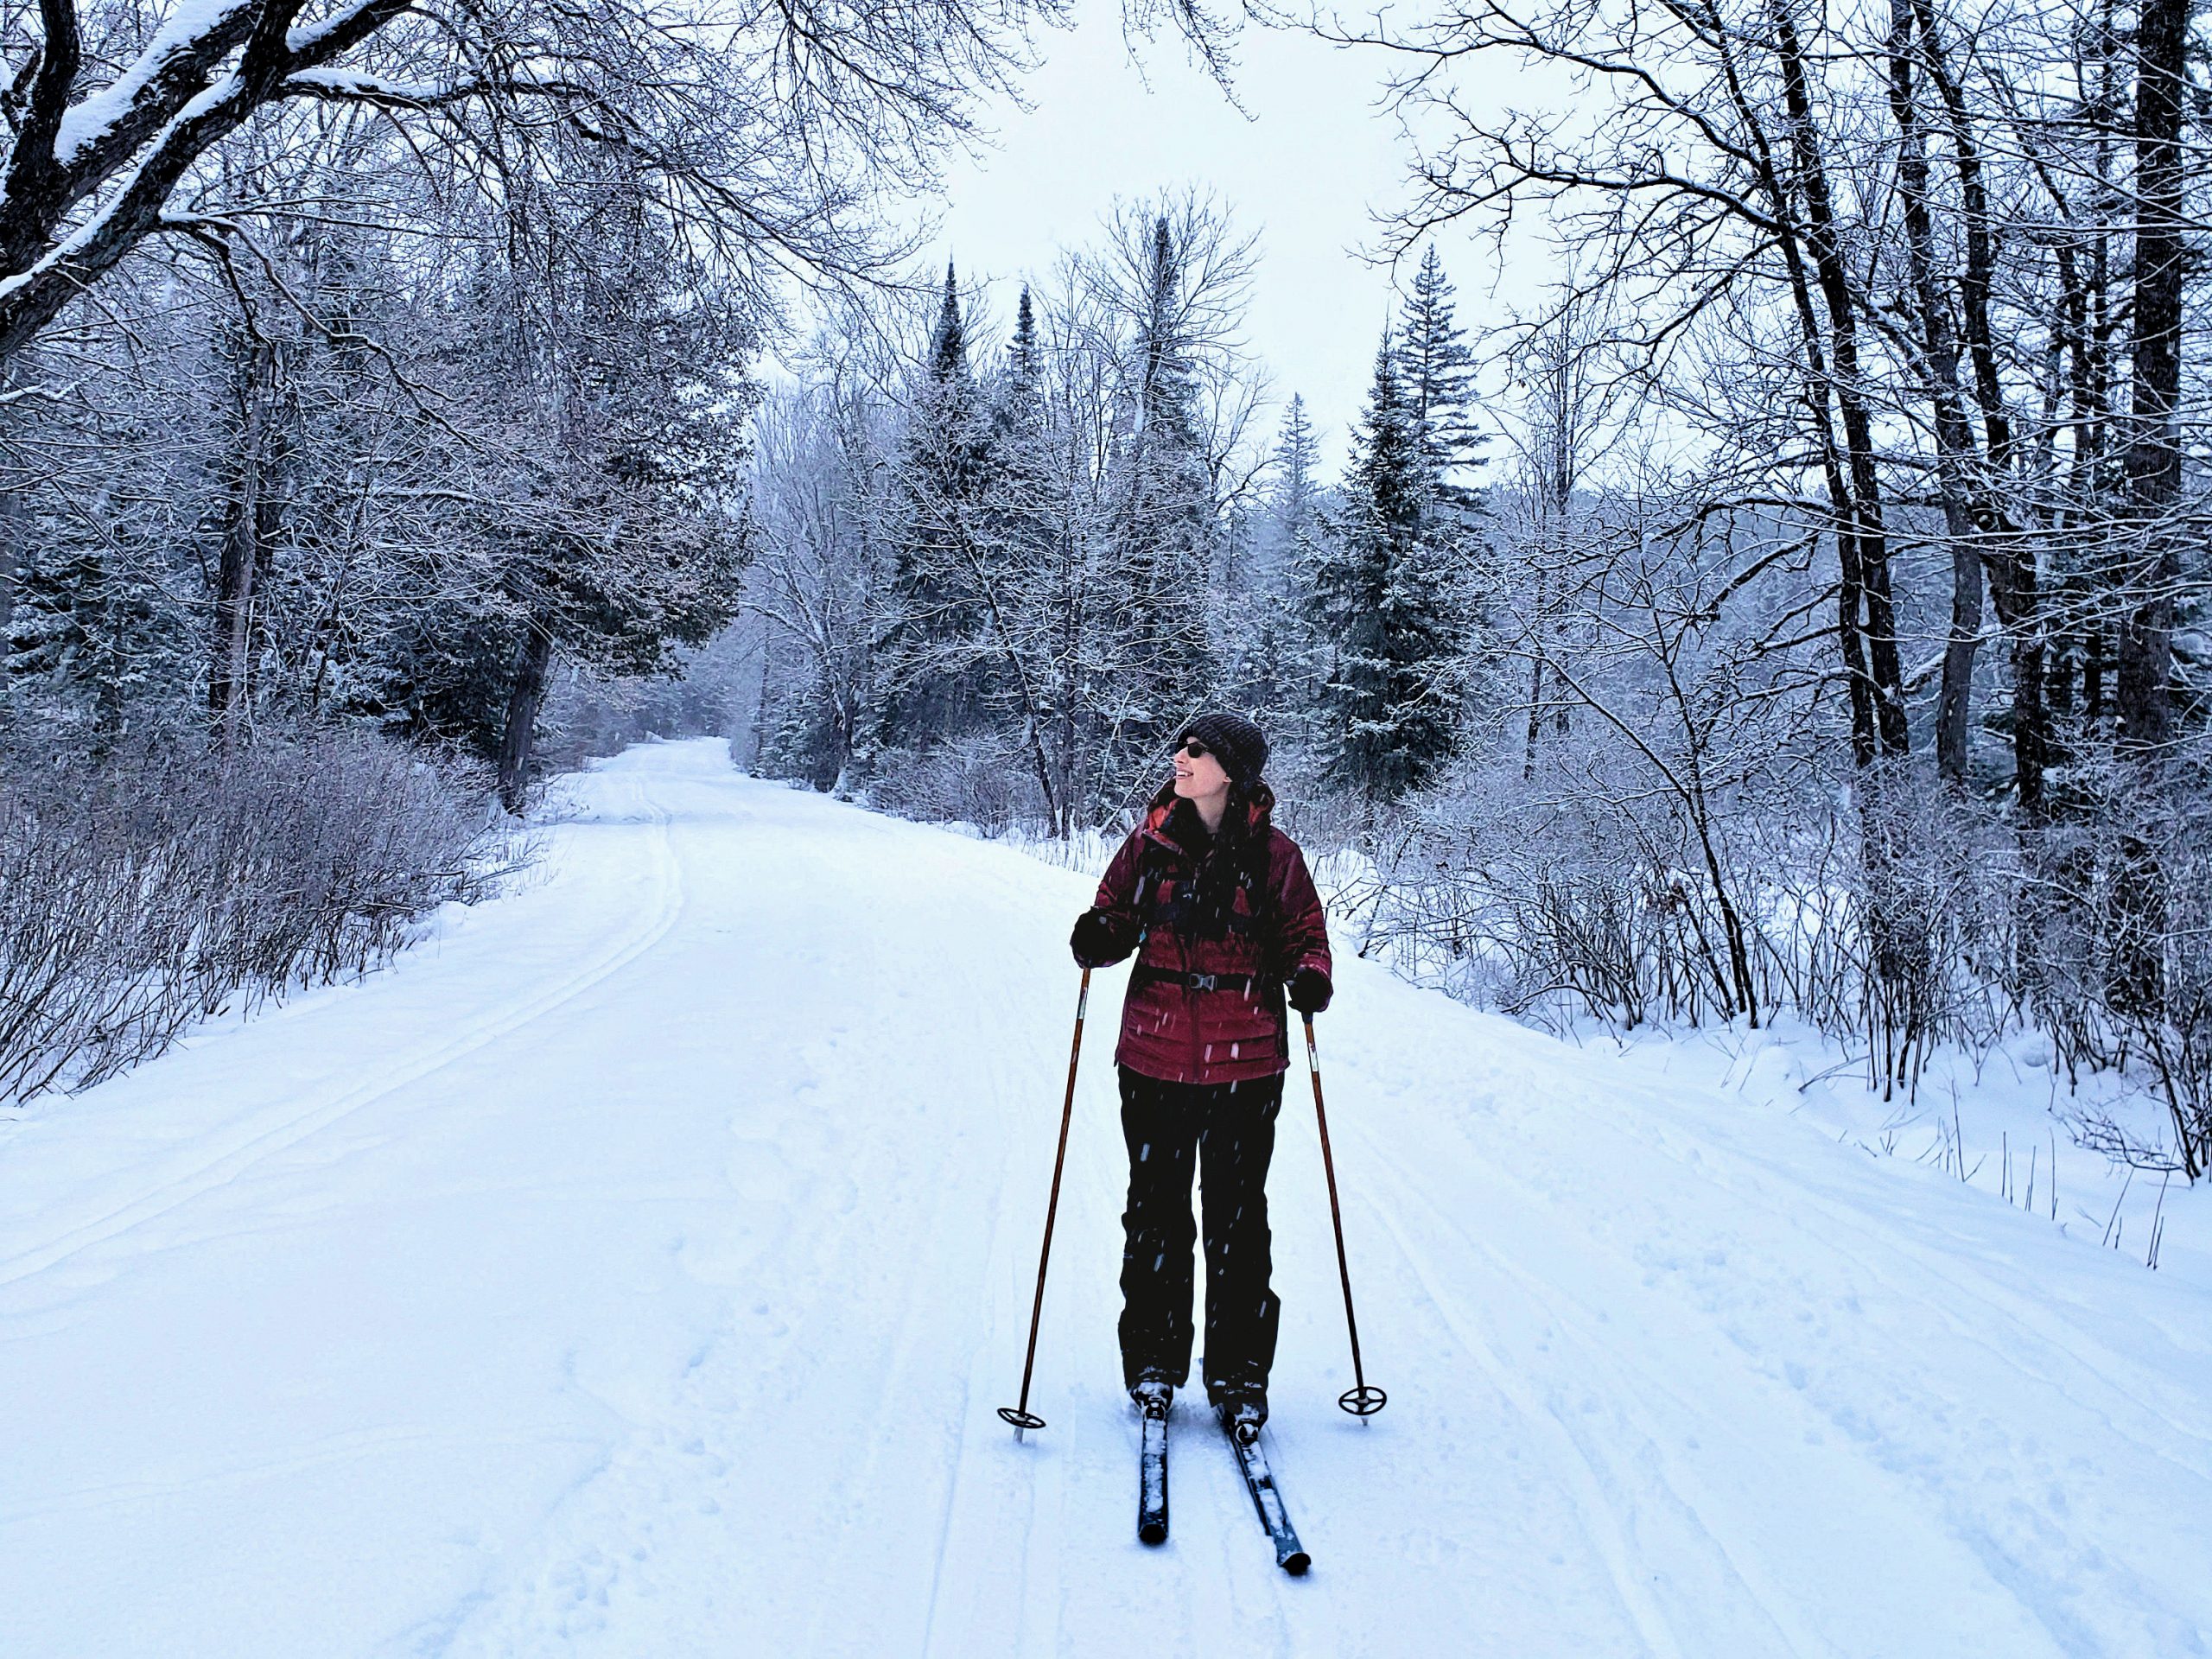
{"x": 2116, "y": 951}
{"x": 975, "y": 780}
{"x": 163, "y": 884}
{"x": 1551, "y": 906}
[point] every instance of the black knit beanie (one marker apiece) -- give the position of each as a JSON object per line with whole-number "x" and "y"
{"x": 1234, "y": 740}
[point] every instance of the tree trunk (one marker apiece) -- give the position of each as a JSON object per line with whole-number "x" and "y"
{"x": 13, "y": 527}
{"x": 1955, "y": 702}
{"x": 1535, "y": 685}
{"x": 524, "y": 699}
{"x": 2009, "y": 558}
{"x": 1866, "y": 608}
{"x": 1957, "y": 462}
{"x": 2135, "y": 980}
{"x": 15, "y": 538}
{"x": 248, "y": 525}
{"x": 1867, "y": 559}
{"x": 2154, "y": 455}
{"x": 759, "y": 734}
{"x": 1866, "y": 635}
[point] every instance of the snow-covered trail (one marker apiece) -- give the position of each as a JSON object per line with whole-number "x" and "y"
{"x": 635, "y": 1270}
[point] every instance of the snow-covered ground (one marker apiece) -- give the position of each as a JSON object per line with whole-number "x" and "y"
{"x": 634, "y": 1270}
{"x": 2000, "y": 1122}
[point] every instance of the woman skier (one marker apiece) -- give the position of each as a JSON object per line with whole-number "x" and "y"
{"x": 1222, "y": 913}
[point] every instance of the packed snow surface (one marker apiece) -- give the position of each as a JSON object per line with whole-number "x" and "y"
{"x": 635, "y": 1269}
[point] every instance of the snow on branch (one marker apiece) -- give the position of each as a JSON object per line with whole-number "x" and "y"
{"x": 347, "y": 84}
{"x": 130, "y": 142}
{"x": 196, "y": 35}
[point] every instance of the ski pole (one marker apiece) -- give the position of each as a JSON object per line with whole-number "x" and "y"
{"x": 1361, "y": 1400}
{"x": 1021, "y": 1416}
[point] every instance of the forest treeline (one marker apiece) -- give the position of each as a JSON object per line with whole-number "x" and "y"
{"x": 998, "y": 579}
{"x": 1796, "y": 612}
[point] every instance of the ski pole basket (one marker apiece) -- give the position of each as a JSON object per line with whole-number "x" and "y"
{"x": 1364, "y": 1401}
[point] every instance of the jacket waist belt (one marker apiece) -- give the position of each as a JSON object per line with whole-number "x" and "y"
{"x": 1196, "y": 982}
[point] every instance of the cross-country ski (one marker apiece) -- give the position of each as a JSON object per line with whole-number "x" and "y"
{"x": 1152, "y": 1479}
{"x": 1259, "y": 1481}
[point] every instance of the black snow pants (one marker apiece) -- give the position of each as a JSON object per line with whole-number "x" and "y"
{"x": 1225, "y": 1134}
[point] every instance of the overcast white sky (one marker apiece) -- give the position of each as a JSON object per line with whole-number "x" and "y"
{"x": 1305, "y": 170}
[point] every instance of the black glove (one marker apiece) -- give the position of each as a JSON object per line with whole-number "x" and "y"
{"x": 1098, "y": 940}
{"x": 1309, "y": 990}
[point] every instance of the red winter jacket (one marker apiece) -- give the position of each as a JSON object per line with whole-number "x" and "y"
{"x": 1183, "y": 1032}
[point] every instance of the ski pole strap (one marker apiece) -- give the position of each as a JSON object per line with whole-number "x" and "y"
{"x": 1195, "y": 982}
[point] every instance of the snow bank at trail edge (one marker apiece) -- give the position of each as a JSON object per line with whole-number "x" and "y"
{"x": 635, "y": 1269}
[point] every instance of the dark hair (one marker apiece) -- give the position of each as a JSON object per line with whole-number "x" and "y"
{"x": 1237, "y": 858}
{"x": 1236, "y": 815}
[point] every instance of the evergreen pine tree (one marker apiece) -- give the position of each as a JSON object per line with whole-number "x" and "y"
{"x": 1436, "y": 370}
{"x": 1019, "y": 463}
{"x": 1033, "y": 567}
{"x": 1024, "y": 369}
{"x": 1389, "y": 701}
{"x": 936, "y": 683}
{"x": 1297, "y": 453}
{"x": 91, "y": 632}
{"x": 1164, "y": 504}
{"x": 1277, "y": 668}
{"x": 947, "y": 354}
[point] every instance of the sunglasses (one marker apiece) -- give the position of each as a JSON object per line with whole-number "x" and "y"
{"x": 1196, "y": 750}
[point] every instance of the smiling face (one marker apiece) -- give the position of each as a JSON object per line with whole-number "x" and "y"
{"x": 1200, "y": 780}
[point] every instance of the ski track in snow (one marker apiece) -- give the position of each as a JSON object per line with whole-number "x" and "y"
{"x": 252, "y": 1142}
{"x": 636, "y": 1267}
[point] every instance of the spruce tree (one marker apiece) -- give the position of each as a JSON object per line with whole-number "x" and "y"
{"x": 1278, "y": 666}
{"x": 1018, "y": 403}
{"x": 1018, "y": 461}
{"x": 90, "y": 633}
{"x": 1015, "y": 519}
{"x": 1163, "y": 501}
{"x": 1035, "y": 567}
{"x": 932, "y": 649}
{"x": 1389, "y": 701}
{"x": 1437, "y": 372}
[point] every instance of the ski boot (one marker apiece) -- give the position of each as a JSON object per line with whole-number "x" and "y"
{"x": 1243, "y": 1412}
{"x": 1152, "y": 1395}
